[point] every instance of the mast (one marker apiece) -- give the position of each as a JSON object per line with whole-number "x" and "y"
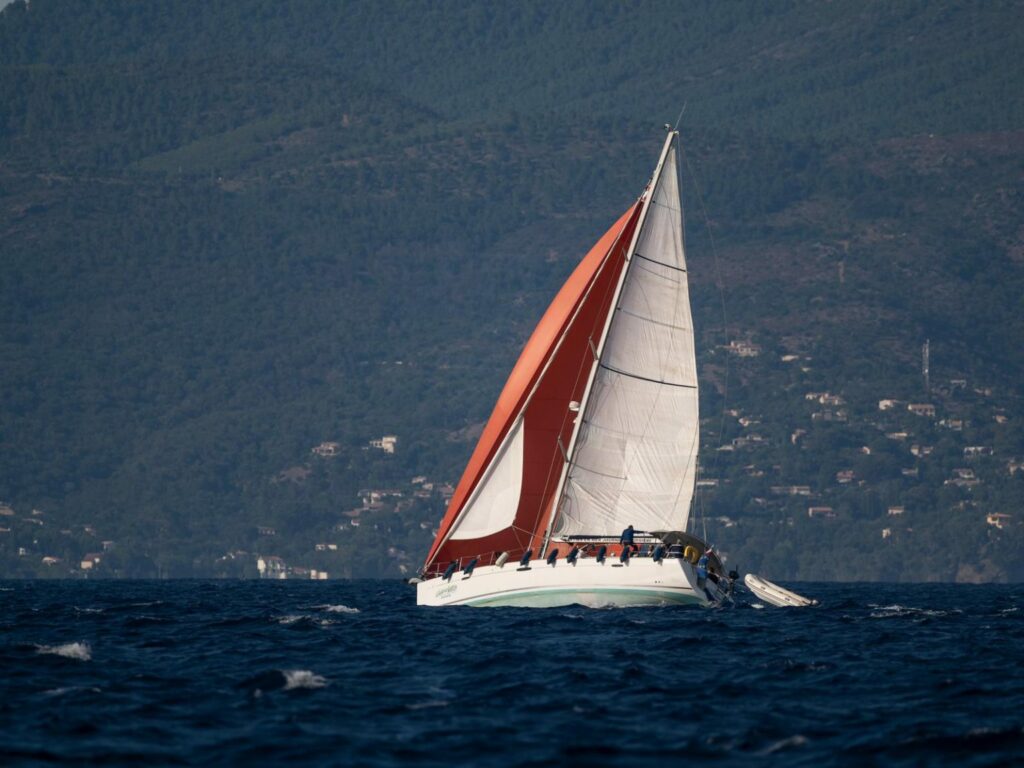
{"x": 598, "y": 351}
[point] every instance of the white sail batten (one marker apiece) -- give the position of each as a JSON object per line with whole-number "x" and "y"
{"x": 493, "y": 505}
{"x": 635, "y": 457}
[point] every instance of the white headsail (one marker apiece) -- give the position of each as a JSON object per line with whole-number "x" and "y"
{"x": 634, "y": 460}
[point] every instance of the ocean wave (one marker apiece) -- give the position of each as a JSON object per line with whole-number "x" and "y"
{"x": 430, "y": 704}
{"x": 336, "y": 608}
{"x": 79, "y": 651}
{"x": 299, "y": 620}
{"x": 284, "y": 680}
{"x": 896, "y": 610}
{"x": 302, "y": 678}
{"x": 71, "y": 689}
{"x": 798, "y": 740}
{"x": 88, "y": 610}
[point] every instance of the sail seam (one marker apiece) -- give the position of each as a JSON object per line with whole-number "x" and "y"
{"x": 579, "y": 466}
{"x": 659, "y": 263}
{"x": 653, "y": 321}
{"x": 645, "y": 378}
{"x": 667, "y": 207}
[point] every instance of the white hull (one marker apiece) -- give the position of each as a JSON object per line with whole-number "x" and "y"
{"x": 594, "y": 585}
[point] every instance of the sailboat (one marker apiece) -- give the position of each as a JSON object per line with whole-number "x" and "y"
{"x": 580, "y": 487}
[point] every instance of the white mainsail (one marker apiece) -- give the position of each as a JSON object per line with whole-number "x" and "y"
{"x": 634, "y": 460}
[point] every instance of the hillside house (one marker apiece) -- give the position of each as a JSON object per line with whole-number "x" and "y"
{"x": 797, "y": 434}
{"x": 898, "y": 436}
{"x": 418, "y": 480}
{"x": 327, "y": 450}
{"x": 998, "y": 519}
{"x": 90, "y": 561}
{"x": 374, "y": 498}
{"x": 387, "y": 443}
{"x": 743, "y": 348}
{"x": 789, "y": 358}
{"x": 921, "y": 450}
{"x": 896, "y": 511}
{"x": 271, "y": 567}
{"x": 974, "y": 451}
{"x": 821, "y": 512}
{"x": 50, "y": 560}
{"x": 6, "y": 511}
{"x": 910, "y": 472}
{"x": 326, "y": 547}
{"x": 887, "y": 405}
{"x": 1013, "y": 466}
{"x": 922, "y": 409}
{"x": 963, "y": 478}
{"x": 845, "y": 476}
{"x": 791, "y": 490}
{"x": 837, "y": 416}
{"x": 266, "y": 530}
{"x": 886, "y": 533}
{"x": 957, "y": 425}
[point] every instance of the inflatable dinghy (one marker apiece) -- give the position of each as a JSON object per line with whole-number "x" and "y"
{"x": 775, "y": 595}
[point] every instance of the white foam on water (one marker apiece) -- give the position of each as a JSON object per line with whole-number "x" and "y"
{"x": 889, "y": 611}
{"x": 79, "y": 651}
{"x": 292, "y": 618}
{"x": 88, "y": 610}
{"x": 797, "y": 740}
{"x": 757, "y": 606}
{"x": 336, "y": 608}
{"x": 302, "y": 678}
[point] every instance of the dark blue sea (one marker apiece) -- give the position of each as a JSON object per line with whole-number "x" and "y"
{"x": 353, "y": 673}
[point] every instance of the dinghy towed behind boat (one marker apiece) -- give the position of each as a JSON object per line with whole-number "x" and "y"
{"x": 596, "y": 430}
{"x": 775, "y": 595}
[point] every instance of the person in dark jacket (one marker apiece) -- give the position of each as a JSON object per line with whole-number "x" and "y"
{"x": 626, "y": 540}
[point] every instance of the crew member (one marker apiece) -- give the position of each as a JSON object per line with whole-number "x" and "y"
{"x": 626, "y": 539}
{"x": 702, "y": 568}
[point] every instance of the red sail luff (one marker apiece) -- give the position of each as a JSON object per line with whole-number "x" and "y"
{"x": 556, "y": 374}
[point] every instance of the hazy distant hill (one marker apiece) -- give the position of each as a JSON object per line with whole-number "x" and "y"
{"x": 232, "y": 233}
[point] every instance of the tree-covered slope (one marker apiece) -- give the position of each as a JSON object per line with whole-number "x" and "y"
{"x": 232, "y": 233}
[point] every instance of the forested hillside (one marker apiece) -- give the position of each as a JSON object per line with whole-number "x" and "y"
{"x": 231, "y": 233}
